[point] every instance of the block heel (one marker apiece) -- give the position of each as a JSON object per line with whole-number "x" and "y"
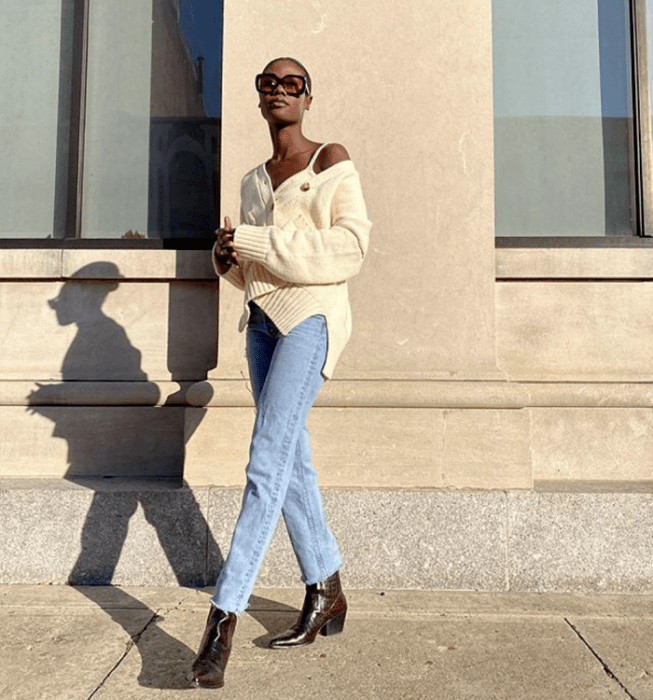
{"x": 335, "y": 625}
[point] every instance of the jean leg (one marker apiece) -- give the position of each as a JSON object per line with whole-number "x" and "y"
{"x": 293, "y": 381}
{"x": 303, "y": 512}
{"x": 260, "y": 348}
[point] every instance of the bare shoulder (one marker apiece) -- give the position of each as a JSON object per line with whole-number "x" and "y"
{"x": 331, "y": 154}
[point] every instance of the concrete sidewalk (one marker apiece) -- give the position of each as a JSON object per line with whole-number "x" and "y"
{"x": 104, "y": 643}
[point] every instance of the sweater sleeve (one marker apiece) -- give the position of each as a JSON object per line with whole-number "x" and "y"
{"x": 307, "y": 255}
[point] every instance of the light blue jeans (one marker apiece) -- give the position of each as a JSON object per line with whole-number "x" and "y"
{"x": 286, "y": 376}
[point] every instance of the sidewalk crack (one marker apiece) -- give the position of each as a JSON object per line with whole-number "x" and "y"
{"x": 180, "y": 603}
{"x": 605, "y": 666}
{"x": 133, "y": 641}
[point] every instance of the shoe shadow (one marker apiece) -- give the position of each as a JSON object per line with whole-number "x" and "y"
{"x": 165, "y": 661}
{"x": 275, "y": 617}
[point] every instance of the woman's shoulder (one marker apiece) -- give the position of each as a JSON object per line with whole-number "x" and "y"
{"x": 330, "y": 154}
{"x": 253, "y": 177}
{"x": 256, "y": 171}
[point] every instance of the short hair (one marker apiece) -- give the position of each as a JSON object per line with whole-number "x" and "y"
{"x": 299, "y": 65}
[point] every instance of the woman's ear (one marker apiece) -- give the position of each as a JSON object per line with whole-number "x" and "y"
{"x": 307, "y": 102}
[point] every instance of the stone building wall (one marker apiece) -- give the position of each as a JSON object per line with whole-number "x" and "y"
{"x": 489, "y": 424}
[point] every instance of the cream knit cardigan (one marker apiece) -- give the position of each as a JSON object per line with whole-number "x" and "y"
{"x": 297, "y": 247}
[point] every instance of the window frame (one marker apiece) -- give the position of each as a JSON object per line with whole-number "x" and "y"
{"x": 72, "y": 112}
{"x": 642, "y": 112}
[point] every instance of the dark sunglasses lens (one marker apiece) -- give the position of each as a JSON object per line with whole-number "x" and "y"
{"x": 265, "y": 84}
{"x": 293, "y": 84}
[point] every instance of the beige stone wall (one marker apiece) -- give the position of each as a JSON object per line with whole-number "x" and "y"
{"x": 415, "y": 112}
{"x": 468, "y": 369}
{"x": 99, "y": 348}
{"x": 408, "y": 90}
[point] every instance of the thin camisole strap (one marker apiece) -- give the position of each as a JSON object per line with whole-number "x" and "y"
{"x": 311, "y": 162}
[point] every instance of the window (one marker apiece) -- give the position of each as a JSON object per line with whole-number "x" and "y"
{"x": 572, "y": 155}
{"x": 110, "y": 111}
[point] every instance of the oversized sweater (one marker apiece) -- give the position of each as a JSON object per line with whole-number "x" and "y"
{"x": 298, "y": 245}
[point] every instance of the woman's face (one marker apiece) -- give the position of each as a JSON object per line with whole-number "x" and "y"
{"x": 279, "y": 106}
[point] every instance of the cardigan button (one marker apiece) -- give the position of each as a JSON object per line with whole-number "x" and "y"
{"x": 305, "y": 187}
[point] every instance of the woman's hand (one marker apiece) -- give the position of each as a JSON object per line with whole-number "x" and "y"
{"x": 225, "y": 255}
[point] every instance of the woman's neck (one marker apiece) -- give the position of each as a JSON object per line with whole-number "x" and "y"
{"x": 288, "y": 142}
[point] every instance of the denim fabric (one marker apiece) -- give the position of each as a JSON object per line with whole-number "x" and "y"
{"x": 286, "y": 377}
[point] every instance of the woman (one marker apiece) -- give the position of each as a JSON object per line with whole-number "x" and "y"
{"x": 303, "y": 233}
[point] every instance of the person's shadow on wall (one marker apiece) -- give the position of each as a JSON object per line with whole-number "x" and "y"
{"x": 117, "y": 440}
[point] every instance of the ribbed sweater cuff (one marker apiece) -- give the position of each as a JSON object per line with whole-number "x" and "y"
{"x": 252, "y": 242}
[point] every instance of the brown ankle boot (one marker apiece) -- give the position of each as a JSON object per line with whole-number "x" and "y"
{"x": 324, "y": 611}
{"x": 215, "y": 647}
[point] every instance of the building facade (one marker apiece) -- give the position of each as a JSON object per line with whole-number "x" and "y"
{"x": 489, "y": 426}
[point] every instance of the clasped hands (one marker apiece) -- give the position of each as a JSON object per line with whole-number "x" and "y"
{"x": 225, "y": 253}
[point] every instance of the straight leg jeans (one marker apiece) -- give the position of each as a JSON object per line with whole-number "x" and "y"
{"x": 286, "y": 376}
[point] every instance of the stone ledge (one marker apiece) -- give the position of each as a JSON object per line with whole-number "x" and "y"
{"x": 30, "y": 263}
{"x": 444, "y": 394}
{"x": 339, "y": 393}
{"x": 574, "y": 263}
{"x": 376, "y": 394}
{"x": 79, "y": 393}
{"x": 159, "y": 533}
{"x": 578, "y": 486}
{"x": 589, "y": 394}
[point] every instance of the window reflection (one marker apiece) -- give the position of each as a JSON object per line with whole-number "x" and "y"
{"x": 184, "y": 128}
{"x": 133, "y": 148}
{"x": 30, "y": 48}
{"x": 563, "y": 118}
{"x": 151, "y": 146}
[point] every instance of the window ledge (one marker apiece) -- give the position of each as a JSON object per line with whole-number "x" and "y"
{"x": 557, "y": 263}
{"x": 107, "y": 263}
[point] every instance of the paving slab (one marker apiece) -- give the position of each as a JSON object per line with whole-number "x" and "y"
{"x": 379, "y": 658}
{"x": 624, "y": 647}
{"x": 106, "y": 643}
{"x": 60, "y": 654}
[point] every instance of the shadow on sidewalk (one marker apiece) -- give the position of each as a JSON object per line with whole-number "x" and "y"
{"x": 131, "y": 436}
{"x": 274, "y": 617}
{"x": 165, "y": 660}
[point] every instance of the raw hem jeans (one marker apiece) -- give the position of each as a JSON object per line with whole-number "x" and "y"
{"x": 286, "y": 377}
